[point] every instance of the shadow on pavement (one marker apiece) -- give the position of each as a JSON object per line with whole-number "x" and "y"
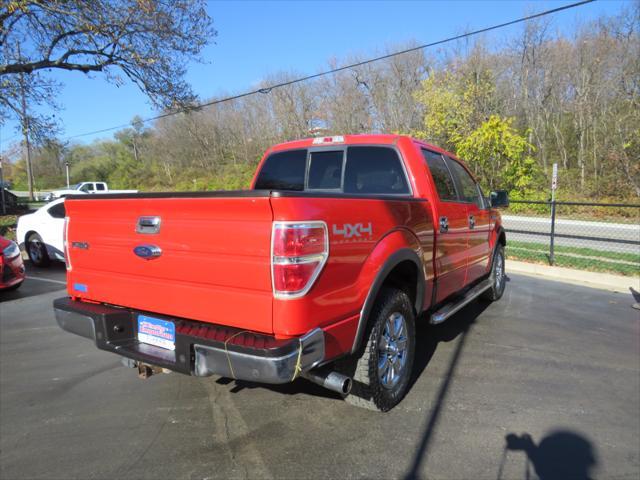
{"x": 456, "y": 327}
{"x": 562, "y": 454}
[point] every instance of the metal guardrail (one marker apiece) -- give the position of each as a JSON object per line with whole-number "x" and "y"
{"x": 586, "y": 230}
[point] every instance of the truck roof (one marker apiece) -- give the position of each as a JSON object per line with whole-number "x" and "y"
{"x": 364, "y": 138}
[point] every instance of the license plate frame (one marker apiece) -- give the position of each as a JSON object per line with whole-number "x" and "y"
{"x": 157, "y": 331}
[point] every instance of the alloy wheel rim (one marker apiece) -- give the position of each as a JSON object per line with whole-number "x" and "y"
{"x": 34, "y": 250}
{"x": 392, "y": 351}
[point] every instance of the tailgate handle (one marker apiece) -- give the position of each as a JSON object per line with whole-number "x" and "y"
{"x": 148, "y": 225}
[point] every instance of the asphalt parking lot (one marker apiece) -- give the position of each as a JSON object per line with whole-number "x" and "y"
{"x": 552, "y": 368}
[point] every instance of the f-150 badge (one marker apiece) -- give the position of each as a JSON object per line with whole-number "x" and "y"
{"x": 349, "y": 230}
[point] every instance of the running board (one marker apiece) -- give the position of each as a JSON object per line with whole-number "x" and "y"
{"x": 451, "y": 308}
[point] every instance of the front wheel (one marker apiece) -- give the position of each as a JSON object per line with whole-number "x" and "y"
{"x": 37, "y": 251}
{"x": 497, "y": 276}
{"x": 382, "y": 373}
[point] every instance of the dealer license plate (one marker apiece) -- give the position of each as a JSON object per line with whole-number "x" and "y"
{"x": 155, "y": 331}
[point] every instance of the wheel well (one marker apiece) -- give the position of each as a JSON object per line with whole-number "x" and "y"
{"x": 404, "y": 276}
{"x": 28, "y": 234}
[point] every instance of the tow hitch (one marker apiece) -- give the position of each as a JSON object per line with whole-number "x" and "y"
{"x": 144, "y": 369}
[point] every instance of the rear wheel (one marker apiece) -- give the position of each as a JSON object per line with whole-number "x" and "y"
{"x": 497, "y": 276}
{"x": 37, "y": 251}
{"x": 381, "y": 374}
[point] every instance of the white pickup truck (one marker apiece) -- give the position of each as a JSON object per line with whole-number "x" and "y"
{"x": 83, "y": 187}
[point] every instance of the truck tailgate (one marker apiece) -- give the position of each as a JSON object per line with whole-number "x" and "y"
{"x": 214, "y": 264}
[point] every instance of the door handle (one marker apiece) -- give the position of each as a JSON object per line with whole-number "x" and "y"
{"x": 472, "y": 222}
{"x": 444, "y": 224}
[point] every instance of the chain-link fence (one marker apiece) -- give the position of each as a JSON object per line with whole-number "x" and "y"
{"x": 592, "y": 236}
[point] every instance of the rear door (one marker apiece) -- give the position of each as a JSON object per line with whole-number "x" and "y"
{"x": 478, "y": 219}
{"x": 452, "y": 228}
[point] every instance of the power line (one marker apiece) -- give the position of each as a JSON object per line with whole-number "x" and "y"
{"x": 266, "y": 90}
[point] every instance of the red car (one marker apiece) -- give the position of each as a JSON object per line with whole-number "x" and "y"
{"x": 321, "y": 270}
{"x": 11, "y": 265}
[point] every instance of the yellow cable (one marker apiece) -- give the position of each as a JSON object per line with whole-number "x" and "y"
{"x": 298, "y": 368}
{"x": 227, "y": 351}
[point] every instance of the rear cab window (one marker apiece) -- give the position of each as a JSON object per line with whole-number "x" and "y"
{"x": 353, "y": 170}
{"x": 325, "y": 170}
{"x": 283, "y": 171}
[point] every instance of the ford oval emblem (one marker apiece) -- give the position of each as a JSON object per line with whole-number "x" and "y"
{"x": 148, "y": 252}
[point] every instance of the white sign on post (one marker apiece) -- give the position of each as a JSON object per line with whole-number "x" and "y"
{"x": 554, "y": 178}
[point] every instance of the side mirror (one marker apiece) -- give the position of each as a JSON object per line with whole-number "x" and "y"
{"x": 499, "y": 198}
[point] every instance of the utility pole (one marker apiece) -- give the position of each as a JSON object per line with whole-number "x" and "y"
{"x": 66, "y": 165}
{"x": 554, "y": 187}
{"x": 25, "y": 132}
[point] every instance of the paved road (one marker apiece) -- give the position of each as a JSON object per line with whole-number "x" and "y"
{"x": 557, "y": 362}
{"x": 614, "y": 237}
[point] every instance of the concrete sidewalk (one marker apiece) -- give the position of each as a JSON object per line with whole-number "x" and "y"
{"x": 603, "y": 281}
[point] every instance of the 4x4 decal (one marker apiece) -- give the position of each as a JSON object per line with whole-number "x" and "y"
{"x": 349, "y": 230}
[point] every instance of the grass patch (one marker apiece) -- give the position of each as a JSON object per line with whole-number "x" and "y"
{"x": 561, "y": 260}
{"x": 8, "y": 226}
{"x": 587, "y": 252}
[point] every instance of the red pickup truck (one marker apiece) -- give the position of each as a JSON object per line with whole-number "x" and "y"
{"x": 320, "y": 270}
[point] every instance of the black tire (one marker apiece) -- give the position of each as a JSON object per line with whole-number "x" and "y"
{"x": 497, "y": 276}
{"x": 369, "y": 390}
{"x": 37, "y": 251}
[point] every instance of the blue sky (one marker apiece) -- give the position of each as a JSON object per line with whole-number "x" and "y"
{"x": 256, "y": 39}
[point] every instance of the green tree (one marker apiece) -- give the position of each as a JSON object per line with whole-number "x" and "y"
{"x": 455, "y": 102}
{"x": 498, "y": 154}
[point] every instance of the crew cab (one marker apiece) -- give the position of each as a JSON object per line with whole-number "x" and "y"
{"x": 82, "y": 188}
{"x": 320, "y": 270}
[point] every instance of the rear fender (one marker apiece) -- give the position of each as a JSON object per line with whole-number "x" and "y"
{"x": 397, "y": 247}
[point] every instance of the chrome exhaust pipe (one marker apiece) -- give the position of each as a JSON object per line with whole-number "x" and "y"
{"x": 330, "y": 380}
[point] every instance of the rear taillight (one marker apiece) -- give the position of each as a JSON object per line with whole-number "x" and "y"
{"x": 299, "y": 250}
{"x": 65, "y": 243}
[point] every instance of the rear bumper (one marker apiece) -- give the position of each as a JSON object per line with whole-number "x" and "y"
{"x": 201, "y": 349}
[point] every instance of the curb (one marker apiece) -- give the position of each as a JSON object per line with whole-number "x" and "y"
{"x": 603, "y": 281}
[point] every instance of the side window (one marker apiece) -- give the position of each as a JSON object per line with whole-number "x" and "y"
{"x": 374, "y": 170}
{"x": 469, "y": 191}
{"x": 100, "y": 186}
{"x": 441, "y": 176}
{"x": 283, "y": 171}
{"x": 57, "y": 211}
{"x": 325, "y": 170}
{"x": 86, "y": 187}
